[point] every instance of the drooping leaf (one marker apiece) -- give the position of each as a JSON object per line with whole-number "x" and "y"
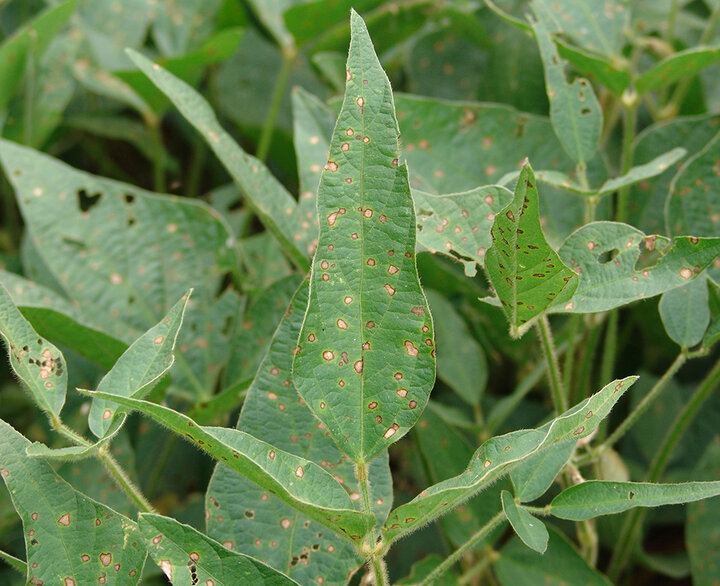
{"x": 299, "y": 482}
{"x": 245, "y": 516}
{"x": 498, "y": 456}
{"x": 608, "y": 73}
{"x": 529, "y": 529}
{"x": 561, "y": 564}
{"x": 67, "y": 535}
{"x": 685, "y": 312}
{"x": 600, "y": 497}
{"x": 458, "y": 225}
{"x": 365, "y": 297}
{"x": 607, "y": 258}
{"x": 37, "y": 362}
{"x": 534, "y": 476}
{"x": 574, "y": 110}
{"x": 527, "y": 274}
{"x": 265, "y": 194}
{"x": 658, "y": 165}
{"x": 139, "y": 369}
{"x": 682, "y": 64}
{"x": 188, "y": 557}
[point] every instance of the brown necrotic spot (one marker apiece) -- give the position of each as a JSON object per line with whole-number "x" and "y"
{"x": 392, "y": 269}
{"x": 342, "y": 324}
{"x": 348, "y": 300}
{"x": 368, "y": 213}
{"x": 398, "y": 375}
{"x": 358, "y": 366}
{"x": 331, "y": 166}
{"x": 324, "y": 265}
{"x": 373, "y": 405}
{"x": 370, "y": 262}
{"x": 64, "y": 520}
{"x": 299, "y": 472}
{"x": 370, "y": 324}
{"x": 391, "y": 431}
{"x": 354, "y": 236}
{"x": 402, "y": 393}
{"x": 285, "y": 523}
{"x": 348, "y": 180}
{"x": 345, "y": 146}
{"x": 311, "y": 338}
{"x": 410, "y": 347}
{"x": 389, "y": 289}
{"x": 685, "y": 273}
{"x": 412, "y": 404}
{"x": 325, "y": 277}
{"x": 107, "y": 414}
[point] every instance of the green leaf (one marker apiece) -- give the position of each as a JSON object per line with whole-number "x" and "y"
{"x": 533, "y": 477}
{"x": 458, "y": 224}
{"x": 529, "y": 529}
{"x": 497, "y": 456}
{"x": 639, "y": 173}
{"x": 685, "y": 312}
{"x": 299, "y": 482}
{"x": 139, "y": 369}
{"x": 270, "y": 13}
{"x": 265, "y": 194}
{"x": 179, "y": 26}
{"x": 421, "y": 569}
{"x": 14, "y": 563}
{"x": 37, "y": 362}
{"x": 608, "y": 74}
{"x": 683, "y": 64}
{"x": 712, "y": 334}
{"x": 574, "y": 110}
{"x": 365, "y": 297}
{"x": 67, "y": 535}
{"x": 33, "y": 38}
{"x": 560, "y": 565}
{"x": 247, "y": 518}
{"x": 527, "y": 274}
{"x": 73, "y": 453}
{"x": 461, "y": 361}
{"x": 188, "y": 557}
{"x": 599, "y": 497}
{"x": 612, "y": 272}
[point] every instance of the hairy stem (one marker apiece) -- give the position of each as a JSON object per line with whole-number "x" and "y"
{"x": 123, "y": 480}
{"x": 376, "y": 561}
{"x": 556, "y": 381}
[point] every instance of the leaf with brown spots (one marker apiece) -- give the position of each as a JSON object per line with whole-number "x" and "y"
{"x": 618, "y": 264}
{"x": 527, "y": 274}
{"x": 37, "y": 362}
{"x": 187, "y": 557}
{"x": 67, "y": 535}
{"x": 366, "y": 251}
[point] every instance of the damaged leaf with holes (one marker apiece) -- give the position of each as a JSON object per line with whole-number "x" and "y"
{"x": 365, "y": 303}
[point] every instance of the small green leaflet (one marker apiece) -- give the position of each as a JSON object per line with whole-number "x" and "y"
{"x": 527, "y": 274}
{"x": 366, "y": 303}
{"x": 529, "y": 529}
{"x": 685, "y": 312}
{"x": 682, "y": 64}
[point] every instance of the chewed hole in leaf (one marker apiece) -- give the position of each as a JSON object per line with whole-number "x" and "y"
{"x": 86, "y": 201}
{"x": 608, "y": 256}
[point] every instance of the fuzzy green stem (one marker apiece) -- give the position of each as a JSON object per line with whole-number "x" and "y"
{"x": 123, "y": 481}
{"x": 646, "y": 401}
{"x": 450, "y": 561}
{"x": 575, "y": 320}
{"x": 630, "y": 101}
{"x": 587, "y": 355}
{"x": 607, "y": 365}
{"x": 478, "y": 569}
{"x": 556, "y": 385}
{"x": 631, "y": 529}
{"x": 376, "y": 560}
{"x": 672, "y": 19}
{"x": 289, "y": 56}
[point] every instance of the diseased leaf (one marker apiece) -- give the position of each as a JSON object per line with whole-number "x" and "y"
{"x": 139, "y": 369}
{"x": 533, "y": 477}
{"x": 527, "y": 274}
{"x": 458, "y": 224}
{"x": 574, "y": 110}
{"x": 497, "y": 456}
{"x": 188, "y": 557}
{"x": 529, "y": 529}
{"x": 365, "y": 298}
{"x": 37, "y": 362}
{"x": 600, "y": 497}
{"x": 685, "y": 312}
{"x": 612, "y": 272}
{"x": 68, "y": 537}
{"x": 682, "y": 64}
{"x": 299, "y": 482}
{"x": 249, "y": 519}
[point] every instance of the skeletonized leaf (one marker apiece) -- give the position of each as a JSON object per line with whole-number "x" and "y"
{"x": 67, "y": 535}
{"x": 140, "y": 367}
{"x": 38, "y": 363}
{"x": 188, "y": 557}
{"x": 299, "y": 482}
{"x": 498, "y": 456}
{"x": 600, "y": 497}
{"x": 527, "y": 274}
{"x": 574, "y": 110}
{"x": 607, "y": 258}
{"x": 685, "y": 312}
{"x": 529, "y": 529}
{"x": 683, "y": 64}
{"x": 365, "y": 297}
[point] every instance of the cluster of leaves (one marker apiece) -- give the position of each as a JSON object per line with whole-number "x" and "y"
{"x": 570, "y": 149}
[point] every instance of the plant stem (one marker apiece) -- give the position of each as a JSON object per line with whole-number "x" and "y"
{"x": 377, "y": 560}
{"x": 556, "y": 386}
{"x": 672, "y": 19}
{"x": 646, "y": 401}
{"x": 123, "y": 480}
{"x": 575, "y": 320}
{"x": 630, "y": 101}
{"x": 478, "y": 568}
{"x": 289, "y": 55}
{"x": 607, "y": 365}
{"x": 450, "y": 561}
{"x": 586, "y": 363}
{"x": 158, "y": 161}
{"x": 631, "y": 529}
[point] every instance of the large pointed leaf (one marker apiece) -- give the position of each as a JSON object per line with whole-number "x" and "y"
{"x": 139, "y": 369}
{"x": 245, "y": 517}
{"x": 366, "y": 303}
{"x": 529, "y": 529}
{"x": 498, "y": 456}
{"x": 527, "y": 274}
{"x": 265, "y": 194}
{"x": 38, "y": 363}
{"x": 299, "y": 482}
{"x": 602, "y": 497}
{"x": 607, "y": 256}
{"x": 187, "y": 557}
{"x": 70, "y": 539}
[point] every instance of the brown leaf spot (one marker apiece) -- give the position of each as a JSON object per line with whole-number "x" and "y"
{"x": 487, "y": 463}
{"x": 411, "y": 349}
{"x": 569, "y": 305}
{"x": 579, "y": 430}
{"x": 328, "y": 355}
{"x": 358, "y": 366}
{"x": 370, "y": 324}
{"x": 159, "y": 340}
{"x": 590, "y": 245}
{"x": 370, "y": 262}
{"x": 271, "y": 455}
{"x": 342, "y": 324}
{"x": 391, "y": 431}
{"x": 389, "y": 289}
{"x": 392, "y": 269}
{"x": 398, "y": 375}
{"x": 349, "y": 132}
{"x": 373, "y": 405}
{"x": 106, "y": 559}
{"x": 331, "y": 166}
{"x": 311, "y": 338}
{"x": 64, "y": 520}
{"x": 285, "y": 523}
{"x": 107, "y": 414}
{"x": 345, "y": 146}
{"x": 368, "y": 213}
{"x": 412, "y": 404}
{"x": 348, "y": 300}
{"x": 324, "y": 265}
{"x": 685, "y": 273}
{"x": 299, "y": 472}
{"x": 402, "y": 393}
